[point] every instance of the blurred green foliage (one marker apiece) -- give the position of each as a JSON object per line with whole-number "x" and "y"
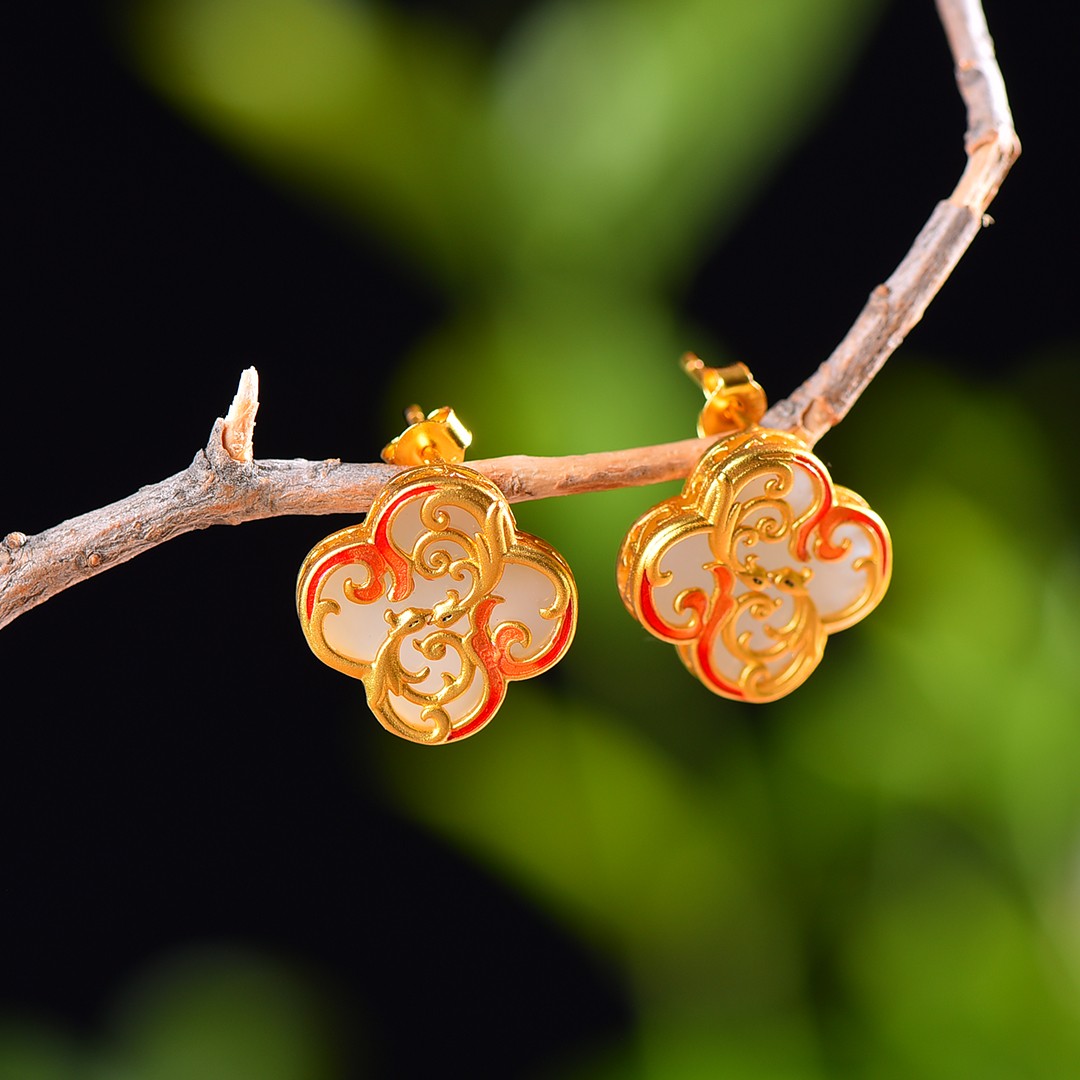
{"x": 882, "y": 868}
{"x": 214, "y": 1014}
{"x": 601, "y": 138}
{"x": 875, "y": 877}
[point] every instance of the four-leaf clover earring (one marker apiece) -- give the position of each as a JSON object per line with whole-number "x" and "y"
{"x": 437, "y": 601}
{"x": 761, "y": 556}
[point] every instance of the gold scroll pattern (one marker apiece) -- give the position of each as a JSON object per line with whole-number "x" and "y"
{"x": 754, "y": 564}
{"x": 436, "y": 602}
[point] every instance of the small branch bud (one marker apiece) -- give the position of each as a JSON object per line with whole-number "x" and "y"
{"x": 238, "y": 433}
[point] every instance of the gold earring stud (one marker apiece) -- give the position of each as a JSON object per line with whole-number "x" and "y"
{"x": 760, "y": 557}
{"x": 437, "y": 601}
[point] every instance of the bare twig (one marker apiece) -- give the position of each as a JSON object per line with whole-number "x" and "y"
{"x": 238, "y": 427}
{"x": 224, "y": 485}
{"x": 897, "y": 305}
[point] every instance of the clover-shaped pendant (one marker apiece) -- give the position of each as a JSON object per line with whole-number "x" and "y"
{"x": 436, "y": 602}
{"x": 754, "y": 564}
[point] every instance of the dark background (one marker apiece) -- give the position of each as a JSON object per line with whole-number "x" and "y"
{"x": 169, "y": 771}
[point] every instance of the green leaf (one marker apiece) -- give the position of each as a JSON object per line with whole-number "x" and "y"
{"x": 611, "y": 137}
{"x": 222, "y": 1015}
{"x": 634, "y": 129}
{"x": 381, "y": 115}
{"x": 31, "y": 1051}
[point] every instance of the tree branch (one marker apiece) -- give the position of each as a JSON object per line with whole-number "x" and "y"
{"x": 224, "y": 485}
{"x": 897, "y": 305}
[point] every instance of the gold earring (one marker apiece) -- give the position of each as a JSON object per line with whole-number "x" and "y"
{"x": 438, "y": 569}
{"x": 761, "y": 556}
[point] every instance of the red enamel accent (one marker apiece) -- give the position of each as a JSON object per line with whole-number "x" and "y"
{"x": 525, "y": 669}
{"x": 838, "y": 516}
{"x": 723, "y": 604}
{"x": 482, "y": 644}
{"x": 499, "y": 668}
{"x": 866, "y": 522}
{"x": 504, "y": 637}
{"x": 378, "y": 557}
{"x": 376, "y": 563}
{"x": 496, "y": 696}
{"x": 695, "y": 599}
{"x": 354, "y": 553}
{"x": 879, "y": 532}
{"x": 700, "y": 631}
{"x": 812, "y": 465}
{"x": 399, "y": 566}
{"x": 488, "y": 656}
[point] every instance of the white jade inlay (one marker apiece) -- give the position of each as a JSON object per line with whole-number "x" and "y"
{"x": 358, "y": 629}
{"x": 525, "y": 592}
{"x": 685, "y": 561}
{"x": 833, "y": 585}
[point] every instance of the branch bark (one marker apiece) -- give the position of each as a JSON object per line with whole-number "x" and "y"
{"x": 897, "y": 305}
{"x": 224, "y": 485}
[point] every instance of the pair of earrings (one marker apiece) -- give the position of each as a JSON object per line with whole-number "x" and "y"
{"x": 746, "y": 572}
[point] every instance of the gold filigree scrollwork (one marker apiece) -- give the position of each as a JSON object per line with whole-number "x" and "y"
{"x": 436, "y": 602}
{"x": 754, "y": 564}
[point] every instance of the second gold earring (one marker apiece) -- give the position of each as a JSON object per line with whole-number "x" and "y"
{"x": 760, "y": 557}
